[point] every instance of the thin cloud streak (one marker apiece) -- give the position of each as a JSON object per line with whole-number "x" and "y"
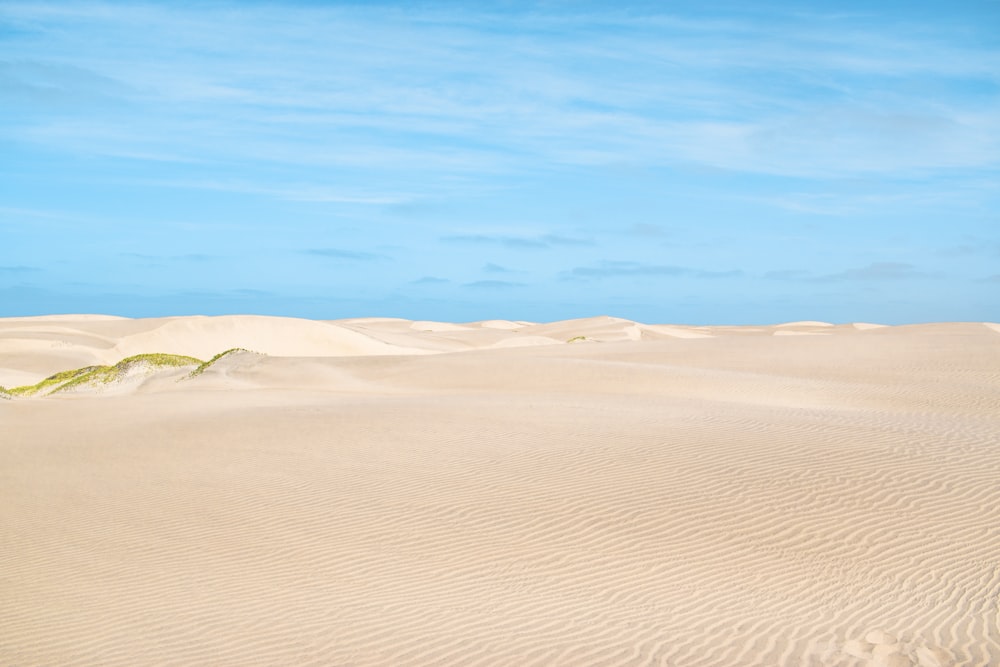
{"x": 290, "y": 192}
{"x": 517, "y": 242}
{"x": 430, "y": 280}
{"x": 615, "y": 269}
{"x": 338, "y": 253}
{"x": 876, "y": 271}
{"x": 188, "y": 257}
{"x": 492, "y": 284}
{"x": 490, "y": 267}
{"x": 507, "y": 241}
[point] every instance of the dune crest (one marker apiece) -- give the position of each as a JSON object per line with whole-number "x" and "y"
{"x": 277, "y": 336}
{"x": 505, "y": 325}
{"x": 804, "y": 323}
{"x": 425, "y": 325}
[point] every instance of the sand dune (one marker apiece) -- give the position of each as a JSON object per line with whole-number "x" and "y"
{"x": 39, "y": 347}
{"x": 384, "y": 492}
{"x": 278, "y": 336}
{"x": 805, "y": 323}
{"x": 504, "y": 325}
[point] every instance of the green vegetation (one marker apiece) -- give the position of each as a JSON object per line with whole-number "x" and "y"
{"x": 52, "y": 383}
{"x": 92, "y": 375}
{"x": 575, "y": 339}
{"x": 206, "y": 364}
{"x": 97, "y": 375}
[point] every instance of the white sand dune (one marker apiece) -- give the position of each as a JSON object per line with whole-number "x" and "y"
{"x": 425, "y": 325}
{"x": 279, "y": 336}
{"x": 82, "y": 317}
{"x": 526, "y": 341}
{"x": 35, "y": 347}
{"x": 675, "y": 331}
{"x": 688, "y": 496}
{"x": 505, "y": 325}
{"x": 805, "y": 323}
{"x": 784, "y": 332}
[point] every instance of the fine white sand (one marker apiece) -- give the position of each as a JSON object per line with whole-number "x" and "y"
{"x": 385, "y": 492}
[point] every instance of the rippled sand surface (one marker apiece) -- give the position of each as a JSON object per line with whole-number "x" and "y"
{"x": 387, "y": 492}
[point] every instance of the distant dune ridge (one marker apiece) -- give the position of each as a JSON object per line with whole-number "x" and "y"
{"x": 248, "y": 490}
{"x": 31, "y": 348}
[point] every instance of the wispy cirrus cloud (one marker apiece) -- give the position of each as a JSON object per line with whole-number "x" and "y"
{"x": 492, "y": 284}
{"x": 186, "y": 257}
{"x": 340, "y": 253}
{"x": 877, "y": 271}
{"x": 41, "y": 85}
{"x": 614, "y": 269}
{"x": 873, "y": 272}
{"x": 517, "y": 242}
{"x": 490, "y": 267}
{"x": 506, "y": 241}
{"x": 295, "y": 192}
{"x": 830, "y": 97}
{"x": 972, "y": 246}
{"x": 646, "y": 230}
{"x": 619, "y": 268}
{"x": 787, "y": 274}
{"x": 430, "y": 280}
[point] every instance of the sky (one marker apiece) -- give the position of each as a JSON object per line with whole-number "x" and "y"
{"x": 667, "y": 162}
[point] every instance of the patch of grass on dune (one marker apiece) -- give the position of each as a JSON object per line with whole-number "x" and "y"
{"x": 92, "y": 375}
{"x": 158, "y": 359}
{"x": 98, "y": 375}
{"x": 53, "y": 382}
{"x": 205, "y": 365}
{"x": 108, "y": 374}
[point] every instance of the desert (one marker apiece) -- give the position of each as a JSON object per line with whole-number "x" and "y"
{"x": 250, "y": 490}
{"x": 514, "y": 334}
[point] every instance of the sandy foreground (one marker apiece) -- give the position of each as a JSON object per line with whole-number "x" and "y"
{"x": 386, "y": 492}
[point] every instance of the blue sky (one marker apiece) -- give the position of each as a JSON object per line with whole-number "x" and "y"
{"x": 701, "y": 163}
